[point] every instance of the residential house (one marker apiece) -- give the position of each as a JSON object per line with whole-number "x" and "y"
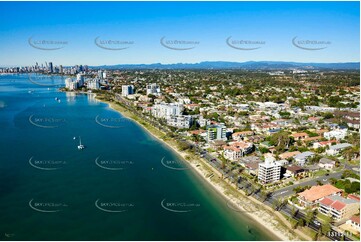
{"x": 323, "y": 144}
{"x": 295, "y": 172}
{"x": 240, "y": 135}
{"x": 288, "y": 155}
{"x": 335, "y": 134}
{"x": 302, "y": 158}
{"x": 354, "y": 222}
{"x": 300, "y": 136}
{"x": 336, "y": 149}
{"x": 327, "y": 163}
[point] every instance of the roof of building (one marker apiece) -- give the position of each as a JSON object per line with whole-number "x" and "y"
{"x": 295, "y": 168}
{"x": 355, "y": 219}
{"x": 340, "y": 146}
{"x": 296, "y": 135}
{"x": 287, "y": 155}
{"x": 304, "y": 155}
{"x": 354, "y": 197}
{"x": 327, "y": 161}
{"x": 313, "y": 138}
{"x": 337, "y": 202}
{"x": 318, "y": 192}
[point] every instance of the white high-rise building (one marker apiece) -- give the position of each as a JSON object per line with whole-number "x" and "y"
{"x": 269, "y": 171}
{"x": 94, "y": 84}
{"x": 71, "y": 84}
{"x": 153, "y": 89}
{"x": 80, "y": 80}
{"x": 127, "y": 90}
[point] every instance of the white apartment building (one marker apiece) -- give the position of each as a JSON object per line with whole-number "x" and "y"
{"x": 203, "y": 122}
{"x": 71, "y": 84}
{"x": 235, "y": 150}
{"x": 153, "y": 89}
{"x": 167, "y": 110}
{"x": 93, "y": 84}
{"x": 127, "y": 90}
{"x": 269, "y": 171}
{"x": 338, "y": 207}
{"x": 337, "y": 134}
{"x": 180, "y": 121}
{"x": 80, "y": 80}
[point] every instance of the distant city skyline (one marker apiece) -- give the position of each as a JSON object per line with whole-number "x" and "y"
{"x": 110, "y": 33}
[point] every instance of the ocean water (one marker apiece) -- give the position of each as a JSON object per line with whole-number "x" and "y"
{"x": 120, "y": 187}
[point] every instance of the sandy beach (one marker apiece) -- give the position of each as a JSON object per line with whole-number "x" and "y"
{"x": 267, "y": 218}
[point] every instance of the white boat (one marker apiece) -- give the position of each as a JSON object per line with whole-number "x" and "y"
{"x": 80, "y": 146}
{"x": 74, "y": 137}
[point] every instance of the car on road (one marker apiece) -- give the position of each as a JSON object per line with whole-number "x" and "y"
{"x": 327, "y": 174}
{"x": 316, "y": 222}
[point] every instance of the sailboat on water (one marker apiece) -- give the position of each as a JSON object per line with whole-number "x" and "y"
{"x": 80, "y": 146}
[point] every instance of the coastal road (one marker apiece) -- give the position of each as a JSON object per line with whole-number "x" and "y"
{"x": 288, "y": 191}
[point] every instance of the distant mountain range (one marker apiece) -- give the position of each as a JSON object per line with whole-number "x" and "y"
{"x": 249, "y": 65}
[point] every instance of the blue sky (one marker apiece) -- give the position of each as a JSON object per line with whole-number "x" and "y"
{"x": 274, "y": 24}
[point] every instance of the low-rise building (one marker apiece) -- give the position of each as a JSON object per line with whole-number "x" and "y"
{"x": 288, "y": 155}
{"x": 300, "y": 136}
{"x": 338, "y": 207}
{"x": 240, "y": 135}
{"x": 235, "y": 150}
{"x": 311, "y": 197}
{"x": 354, "y": 222}
{"x": 323, "y": 144}
{"x": 302, "y": 158}
{"x": 336, "y": 134}
{"x": 295, "y": 172}
{"x": 180, "y": 121}
{"x": 327, "y": 163}
{"x": 336, "y": 149}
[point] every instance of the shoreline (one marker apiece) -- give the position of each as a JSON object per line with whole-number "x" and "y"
{"x": 261, "y": 214}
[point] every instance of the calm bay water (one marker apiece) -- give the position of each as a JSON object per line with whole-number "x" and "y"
{"x": 115, "y": 189}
